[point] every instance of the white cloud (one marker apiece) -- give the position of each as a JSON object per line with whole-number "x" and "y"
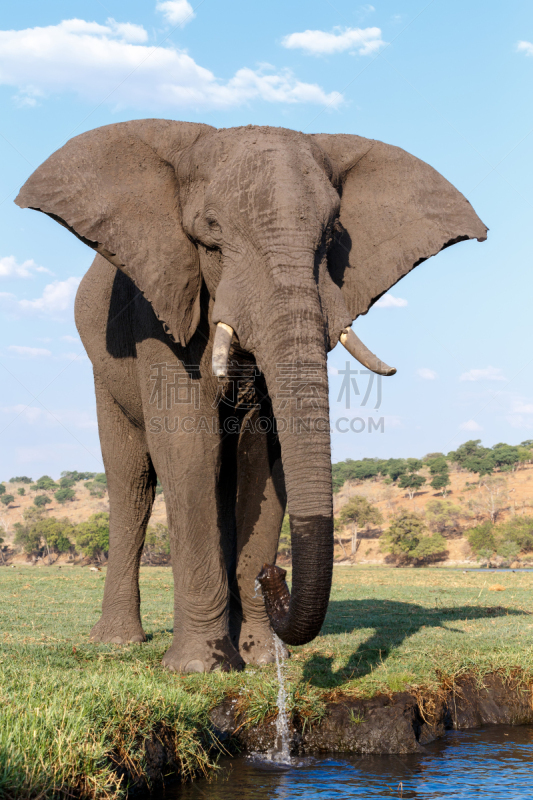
{"x": 525, "y": 47}
{"x": 72, "y": 339}
{"x": 487, "y": 374}
{"x": 470, "y": 425}
{"x": 389, "y": 301}
{"x": 363, "y": 41}
{"x": 57, "y": 298}
{"x": 29, "y": 352}
{"x": 426, "y": 374}
{"x": 177, "y": 12}
{"x": 522, "y": 408}
{"x": 11, "y": 268}
{"x": 97, "y": 62}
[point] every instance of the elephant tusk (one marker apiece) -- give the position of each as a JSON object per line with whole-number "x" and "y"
{"x": 359, "y": 351}
{"x": 221, "y": 346}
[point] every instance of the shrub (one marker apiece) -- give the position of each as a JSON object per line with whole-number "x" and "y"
{"x": 6, "y": 499}
{"x": 93, "y": 536}
{"x": 2, "y": 488}
{"x": 443, "y": 516}
{"x": 21, "y": 491}
{"x": 407, "y": 539}
{"x": 41, "y": 500}
{"x": 157, "y": 542}
{"x": 481, "y": 539}
{"x": 20, "y": 479}
{"x": 64, "y": 494}
{"x": 49, "y": 535}
{"x": 55, "y": 533}
{"x": 95, "y": 489}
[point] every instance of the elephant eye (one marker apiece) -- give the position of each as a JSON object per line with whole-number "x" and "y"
{"x": 212, "y": 223}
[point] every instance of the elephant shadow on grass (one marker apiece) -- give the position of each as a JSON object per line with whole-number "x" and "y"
{"x": 393, "y": 622}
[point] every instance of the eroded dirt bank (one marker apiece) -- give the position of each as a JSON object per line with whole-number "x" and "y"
{"x": 398, "y": 723}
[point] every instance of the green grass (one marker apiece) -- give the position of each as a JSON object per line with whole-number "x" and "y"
{"x": 66, "y": 704}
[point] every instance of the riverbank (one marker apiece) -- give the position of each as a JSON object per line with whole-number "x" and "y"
{"x": 78, "y": 719}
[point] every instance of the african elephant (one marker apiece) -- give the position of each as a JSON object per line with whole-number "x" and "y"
{"x": 229, "y": 261}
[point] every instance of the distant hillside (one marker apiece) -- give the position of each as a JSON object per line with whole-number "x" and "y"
{"x": 450, "y": 496}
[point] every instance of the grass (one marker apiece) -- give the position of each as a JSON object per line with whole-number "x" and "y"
{"x": 66, "y": 705}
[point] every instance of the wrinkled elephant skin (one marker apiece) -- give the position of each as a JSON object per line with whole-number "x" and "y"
{"x": 284, "y": 239}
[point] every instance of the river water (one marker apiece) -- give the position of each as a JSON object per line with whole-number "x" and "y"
{"x": 494, "y": 762}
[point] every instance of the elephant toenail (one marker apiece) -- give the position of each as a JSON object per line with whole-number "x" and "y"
{"x": 195, "y": 666}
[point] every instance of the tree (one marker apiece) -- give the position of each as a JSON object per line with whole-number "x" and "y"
{"x": 395, "y": 467}
{"x": 2, "y": 488}
{"x": 407, "y": 539}
{"x": 359, "y": 512}
{"x": 28, "y": 539}
{"x": 6, "y": 499}
{"x": 491, "y": 497}
{"x": 45, "y": 483}
{"x": 443, "y": 516}
{"x": 505, "y": 456}
{"x": 41, "y": 500}
{"x": 93, "y": 536}
{"x": 65, "y": 494}
{"x": 41, "y": 536}
{"x": 21, "y": 491}
{"x": 441, "y": 482}
{"x": 20, "y": 479}
{"x": 412, "y": 482}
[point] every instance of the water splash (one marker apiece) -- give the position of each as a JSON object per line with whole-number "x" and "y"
{"x": 281, "y": 753}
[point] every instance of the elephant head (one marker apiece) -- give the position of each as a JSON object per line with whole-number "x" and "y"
{"x": 295, "y": 236}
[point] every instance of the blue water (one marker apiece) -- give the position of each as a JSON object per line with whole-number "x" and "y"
{"x": 494, "y": 762}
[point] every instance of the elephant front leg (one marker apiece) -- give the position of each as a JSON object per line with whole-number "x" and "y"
{"x": 260, "y": 508}
{"x": 188, "y": 473}
{"x": 131, "y": 481}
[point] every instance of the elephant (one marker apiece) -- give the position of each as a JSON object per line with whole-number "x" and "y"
{"x": 229, "y": 262}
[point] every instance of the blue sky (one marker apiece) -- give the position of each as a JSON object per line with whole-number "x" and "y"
{"x": 448, "y": 81}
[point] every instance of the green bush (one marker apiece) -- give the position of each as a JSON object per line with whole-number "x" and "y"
{"x": 407, "y": 539}
{"x": 41, "y": 500}
{"x": 74, "y": 476}
{"x": 95, "y": 489}
{"x": 157, "y": 542}
{"x": 6, "y": 499}
{"x": 43, "y": 536}
{"x": 21, "y": 479}
{"x": 28, "y": 539}
{"x": 481, "y": 539}
{"x": 21, "y": 491}
{"x": 443, "y": 516}
{"x": 2, "y": 488}
{"x": 92, "y": 536}
{"x": 65, "y": 494}
{"x": 45, "y": 483}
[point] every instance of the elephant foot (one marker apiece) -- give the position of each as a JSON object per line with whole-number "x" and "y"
{"x": 256, "y": 644}
{"x": 215, "y": 654}
{"x": 117, "y": 631}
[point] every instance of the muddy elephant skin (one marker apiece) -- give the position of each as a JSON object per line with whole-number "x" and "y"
{"x": 272, "y": 242}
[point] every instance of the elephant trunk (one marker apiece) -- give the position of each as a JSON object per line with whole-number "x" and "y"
{"x": 293, "y": 361}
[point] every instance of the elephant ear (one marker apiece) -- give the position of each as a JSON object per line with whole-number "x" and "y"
{"x": 396, "y": 211}
{"x": 115, "y": 188}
